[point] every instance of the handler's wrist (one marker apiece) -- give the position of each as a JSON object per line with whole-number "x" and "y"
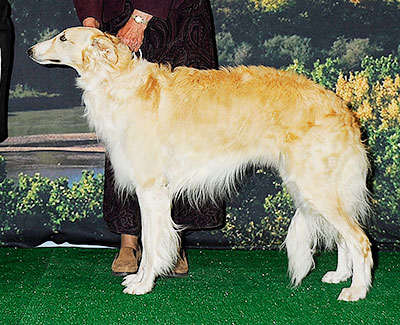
{"x": 141, "y": 17}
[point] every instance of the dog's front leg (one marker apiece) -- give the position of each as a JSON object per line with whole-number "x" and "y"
{"x": 160, "y": 239}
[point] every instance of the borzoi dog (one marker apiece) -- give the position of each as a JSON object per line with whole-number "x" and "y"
{"x": 194, "y": 131}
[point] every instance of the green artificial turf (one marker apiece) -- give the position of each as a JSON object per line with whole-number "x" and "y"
{"x": 75, "y": 286}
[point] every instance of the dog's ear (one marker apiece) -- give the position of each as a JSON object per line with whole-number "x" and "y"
{"x": 106, "y": 48}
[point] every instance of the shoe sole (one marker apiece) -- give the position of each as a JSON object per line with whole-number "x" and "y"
{"x": 122, "y": 273}
{"x": 176, "y": 275}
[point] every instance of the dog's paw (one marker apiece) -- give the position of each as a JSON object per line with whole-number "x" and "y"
{"x": 132, "y": 278}
{"x": 335, "y": 277}
{"x": 139, "y": 288}
{"x": 352, "y": 294}
{"x": 139, "y": 283}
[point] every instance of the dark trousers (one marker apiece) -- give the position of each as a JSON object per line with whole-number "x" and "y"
{"x": 186, "y": 38}
{"x": 6, "y": 45}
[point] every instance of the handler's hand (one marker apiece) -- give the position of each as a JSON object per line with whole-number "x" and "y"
{"x": 132, "y": 33}
{"x": 91, "y": 22}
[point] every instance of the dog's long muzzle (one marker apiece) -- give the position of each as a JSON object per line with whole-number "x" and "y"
{"x": 31, "y": 53}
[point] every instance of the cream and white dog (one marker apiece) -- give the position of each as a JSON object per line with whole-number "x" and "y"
{"x": 194, "y": 131}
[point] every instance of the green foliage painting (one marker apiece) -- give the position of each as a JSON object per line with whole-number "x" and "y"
{"x": 374, "y": 95}
{"x": 349, "y": 46}
{"x": 45, "y": 203}
{"x": 274, "y": 32}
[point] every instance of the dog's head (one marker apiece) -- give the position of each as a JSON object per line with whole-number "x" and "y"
{"x": 83, "y": 49}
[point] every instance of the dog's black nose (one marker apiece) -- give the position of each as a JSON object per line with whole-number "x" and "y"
{"x": 30, "y": 51}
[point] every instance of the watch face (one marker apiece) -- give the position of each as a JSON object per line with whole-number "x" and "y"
{"x": 139, "y": 20}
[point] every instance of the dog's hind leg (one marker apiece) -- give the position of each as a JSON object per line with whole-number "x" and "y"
{"x": 340, "y": 224}
{"x": 361, "y": 257}
{"x": 354, "y": 246}
{"x": 344, "y": 266}
{"x": 332, "y": 215}
{"x": 160, "y": 239}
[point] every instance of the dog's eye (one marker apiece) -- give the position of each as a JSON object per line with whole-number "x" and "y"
{"x": 63, "y": 38}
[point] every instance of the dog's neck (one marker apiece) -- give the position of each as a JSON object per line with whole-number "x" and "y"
{"x": 105, "y": 91}
{"x": 100, "y": 76}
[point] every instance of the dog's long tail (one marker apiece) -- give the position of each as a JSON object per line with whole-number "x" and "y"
{"x": 305, "y": 234}
{"x": 300, "y": 245}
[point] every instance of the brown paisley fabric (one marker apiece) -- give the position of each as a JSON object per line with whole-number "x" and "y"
{"x": 185, "y": 38}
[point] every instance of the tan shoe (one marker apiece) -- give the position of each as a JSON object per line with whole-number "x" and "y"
{"x": 126, "y": 261}
{"x": 181, "y": 267}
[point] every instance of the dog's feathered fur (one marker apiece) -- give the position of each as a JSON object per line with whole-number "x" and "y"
{"x": 193, "y": 131}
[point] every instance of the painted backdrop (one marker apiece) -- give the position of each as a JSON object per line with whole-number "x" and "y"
{"x": 51, "y": 166}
